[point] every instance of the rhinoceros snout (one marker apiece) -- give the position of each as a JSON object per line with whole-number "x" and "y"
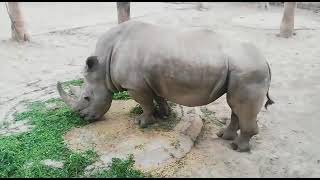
{"x": 90, "y": 117}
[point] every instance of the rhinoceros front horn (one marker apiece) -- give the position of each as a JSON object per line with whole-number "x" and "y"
{"x": 69, "y": 100}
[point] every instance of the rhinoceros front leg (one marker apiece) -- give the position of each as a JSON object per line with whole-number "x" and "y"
{"x": 230, "y": 133}
{"x": 164, "y": 109}
{"x": 145, "y": 99}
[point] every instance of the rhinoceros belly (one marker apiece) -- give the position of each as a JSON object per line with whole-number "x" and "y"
{"x": 189, "y": 83}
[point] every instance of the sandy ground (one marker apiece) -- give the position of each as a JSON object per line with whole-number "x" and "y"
{"x": 160, "y": 144}
{"x": 288, "y": 144}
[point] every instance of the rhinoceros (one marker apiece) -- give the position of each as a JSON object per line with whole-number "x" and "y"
{"x": 188, "y": 67}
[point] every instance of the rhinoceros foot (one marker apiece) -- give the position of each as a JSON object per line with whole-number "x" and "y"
{"x": 241, "y": 143}
{"x": 144, "y": 120}
{"x": 226, "y": 134}
{"x": 162, "y": 113}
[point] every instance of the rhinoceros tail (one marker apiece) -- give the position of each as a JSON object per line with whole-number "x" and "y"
{"x": 269, "y": 101}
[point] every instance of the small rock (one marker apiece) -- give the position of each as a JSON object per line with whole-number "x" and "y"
{"x": 33, "y": 82}
{"x": 223, "y": 120}
{"x": 190, "y": 125}
{"x": 21, "y": 129}
{"x": 52, "y": 106}
{"x": 16, "y": 128}
{"x": 53, "y": 163}
{"x": 3, "y": 132}
{"x": 274, "y": 157}
{"x": 94, "y": 168}
{"x": 18, "y": 124}
{"x": 28, "y": 165}
{"x": 185, "y": 145}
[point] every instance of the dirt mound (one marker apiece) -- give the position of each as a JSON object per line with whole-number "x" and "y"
{"x": 153, "y": 147}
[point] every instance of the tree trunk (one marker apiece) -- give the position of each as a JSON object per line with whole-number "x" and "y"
{"x": 123, "y": 11}
{"x": 18, "y": 30}
{"x": 265, "y": 5}
{"x": 287, "y": 24}
{"x": 201, "y": 6}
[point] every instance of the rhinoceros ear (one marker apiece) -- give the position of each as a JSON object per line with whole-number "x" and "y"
{"x": 92, "y": 62}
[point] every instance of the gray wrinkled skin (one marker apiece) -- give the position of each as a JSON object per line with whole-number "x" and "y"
{"x": 187, "y": 67}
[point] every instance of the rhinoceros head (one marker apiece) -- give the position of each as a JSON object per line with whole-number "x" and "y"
{"x": 94, "y": 99}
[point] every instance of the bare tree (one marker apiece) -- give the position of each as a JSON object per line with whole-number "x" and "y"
{"x": 287, "y": 24}
{"x": 123, "y": 11}
{"x": 265, "y": 5}
{"x": 201, "y": 6}
{"x": 18, "y": 30}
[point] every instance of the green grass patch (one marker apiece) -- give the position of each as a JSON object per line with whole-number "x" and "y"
{"x": 21, "y": 155}
{"x": 166, "y": 124}
{"x": 76, "y": 82}
{"x": 210, "y": 116}
{"x": 124, "y": 95}
{"x": 137, "y": 110}
{"x": 121, "y": 168}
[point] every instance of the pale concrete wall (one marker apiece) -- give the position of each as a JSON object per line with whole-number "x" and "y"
{"x": 301, "y": 5}
{"x": 308, "y": 5}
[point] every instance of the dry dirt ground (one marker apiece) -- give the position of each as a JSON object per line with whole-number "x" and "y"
{"x": 288, "y": 144}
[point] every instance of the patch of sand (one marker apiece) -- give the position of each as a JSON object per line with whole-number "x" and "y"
{"x": 118, "y": 136}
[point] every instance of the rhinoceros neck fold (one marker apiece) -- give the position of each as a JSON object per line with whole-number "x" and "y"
{"x": 111, "y": 85}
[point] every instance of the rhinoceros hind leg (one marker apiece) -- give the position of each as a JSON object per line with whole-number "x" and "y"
{"x": 230, "y": 133}
{"x": 248, "y": 128}
{"x": 164, "y": 109}
{"x": 246, "y": 103}
{"x": 247, "y": 115}
{"x": 145, "y": 99}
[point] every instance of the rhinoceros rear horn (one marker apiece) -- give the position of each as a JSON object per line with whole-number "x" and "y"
{"x": 92, "y": 63}
{"x": 75, "y": 90}
{"x": 69, "y": 100}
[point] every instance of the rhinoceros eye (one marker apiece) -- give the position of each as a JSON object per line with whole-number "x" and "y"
{"x": 87, "y": 98}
